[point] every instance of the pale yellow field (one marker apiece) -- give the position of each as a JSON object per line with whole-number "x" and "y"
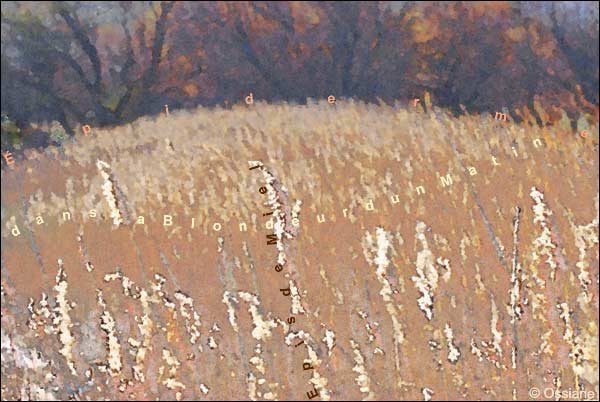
{"x": 450, "y": 293}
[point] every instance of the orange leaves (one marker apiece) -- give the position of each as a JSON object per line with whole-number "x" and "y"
{"x": 515, "y": 34}
{"x": 424, "y": 32}
{"x": 260, "y": 23}
{"x": 542, "y": 44}
{"x": 485, "y": 9}
{"x": 465, "y": 53}
{"x": 546, "y": 49}
{"x": 306, "y": 13}
{"x": 191, "y": 89}
{"x": 425, "y": 29}
{"x": 183, "y": 64}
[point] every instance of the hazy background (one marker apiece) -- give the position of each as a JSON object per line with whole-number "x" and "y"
{"x": 106, "y": 63}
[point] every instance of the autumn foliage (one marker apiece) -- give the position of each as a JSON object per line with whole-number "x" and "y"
{"x": 105, "y": 63}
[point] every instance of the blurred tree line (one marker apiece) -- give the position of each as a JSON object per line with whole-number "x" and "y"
{"x": 104, "y": 63}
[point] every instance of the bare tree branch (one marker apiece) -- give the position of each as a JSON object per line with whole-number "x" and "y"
{"x": 142, "y": 85}
{"x": 41, "y": 44}
{"x": 87, "y": 46}
{"x": 576, "y": 60}
{"x": 159, "y": 39}
{"x": 249, "y": 52}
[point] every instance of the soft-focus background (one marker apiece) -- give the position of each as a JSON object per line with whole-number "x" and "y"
{"x": 106, "y": 63}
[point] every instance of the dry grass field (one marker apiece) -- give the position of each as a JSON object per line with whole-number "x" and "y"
{"x": 481, "y": 288}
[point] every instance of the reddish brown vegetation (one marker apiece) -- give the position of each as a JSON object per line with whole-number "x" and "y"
{"x": 106, "y": 63}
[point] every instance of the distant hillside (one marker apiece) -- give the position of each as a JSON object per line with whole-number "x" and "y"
{"x": 109, "y": 63}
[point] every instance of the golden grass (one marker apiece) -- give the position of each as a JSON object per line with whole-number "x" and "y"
{"x": 330, "y": 156}
{"x": 497, "y": 289}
